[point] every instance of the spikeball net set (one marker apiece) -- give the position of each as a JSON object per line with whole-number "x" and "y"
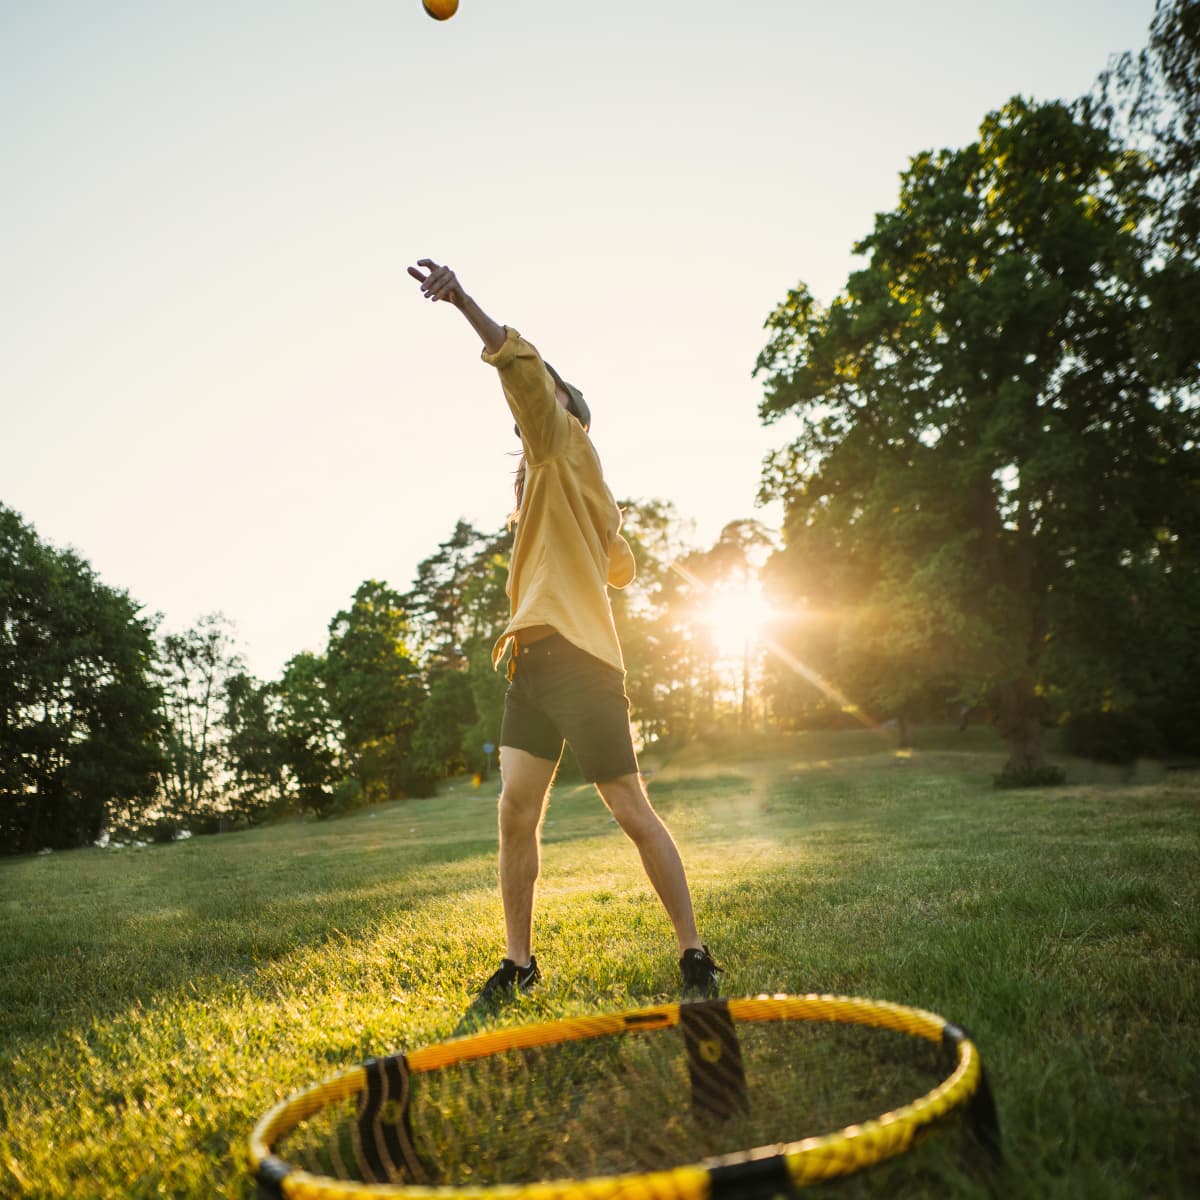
{"x": 714, "y": 1100}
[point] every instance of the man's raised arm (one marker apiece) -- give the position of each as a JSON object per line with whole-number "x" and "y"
{"x": 440, "y": 283}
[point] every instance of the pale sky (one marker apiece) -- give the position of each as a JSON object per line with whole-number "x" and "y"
{"x": 218, "y": 384}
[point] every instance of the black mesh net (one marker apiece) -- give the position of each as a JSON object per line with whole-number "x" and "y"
{"x": 632, "y": 1102}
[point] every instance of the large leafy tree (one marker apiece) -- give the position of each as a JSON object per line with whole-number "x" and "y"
{"x": 486, "y": 610}
{"x": 311, "y": 757}
{"x": 445, "y": 717}
{"x": 994, "y": 474}
{"x": 79, "y": 705}
{"x": 436, "y": 603}
{"x": 375, "y": 689}
{"x": 458, "y": 605}
{"x": 1151, "y": 100}
{"x": 254, "y": 784}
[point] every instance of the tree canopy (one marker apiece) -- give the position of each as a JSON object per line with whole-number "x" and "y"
{"x": 80, "y": 720}
{"x": 996, "y": 474}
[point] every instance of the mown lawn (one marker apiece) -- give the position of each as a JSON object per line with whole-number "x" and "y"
{"x": 155, "y": 1001}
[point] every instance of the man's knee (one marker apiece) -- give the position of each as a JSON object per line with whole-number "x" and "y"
{"x": 627, "y": 801}
{"x": 526, "y": 783}
{"x": 520, "y": 809}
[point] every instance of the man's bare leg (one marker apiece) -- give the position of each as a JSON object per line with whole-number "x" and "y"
{"x": 626, "y": 798}
{"x": 526, "y": 783}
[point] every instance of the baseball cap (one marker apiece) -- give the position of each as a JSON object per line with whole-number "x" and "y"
{"x": 576, "y": 404}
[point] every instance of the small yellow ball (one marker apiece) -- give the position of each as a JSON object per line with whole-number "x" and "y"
{"x": 441, "y": 10}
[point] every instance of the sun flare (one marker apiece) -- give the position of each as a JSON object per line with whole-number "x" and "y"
{"x": 736, "y": 617}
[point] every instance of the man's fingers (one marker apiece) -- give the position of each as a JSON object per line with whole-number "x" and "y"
{"x": 439, "y": 284}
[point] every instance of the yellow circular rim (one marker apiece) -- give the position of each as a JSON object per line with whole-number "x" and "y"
{"x": 836, "y": 1153}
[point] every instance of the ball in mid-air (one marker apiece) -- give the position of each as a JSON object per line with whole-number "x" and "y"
{"x": 441, "y": 10}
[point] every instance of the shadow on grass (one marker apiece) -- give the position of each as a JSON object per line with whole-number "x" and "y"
{"x": 1058, "y": 926}
{"x": 87, "y": 931}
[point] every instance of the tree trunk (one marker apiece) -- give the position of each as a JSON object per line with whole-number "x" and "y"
{"x": 1019, "y": 719}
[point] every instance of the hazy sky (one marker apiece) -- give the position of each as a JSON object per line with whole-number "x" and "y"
{"x": 219, "y": 386}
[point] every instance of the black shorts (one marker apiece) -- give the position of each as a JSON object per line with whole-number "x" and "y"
{"x": 559, "y": 693}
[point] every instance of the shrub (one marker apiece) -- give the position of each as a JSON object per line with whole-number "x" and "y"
{"x": 1176, "y": 719}
{"x": 204, "y": 823}
{"x": 418, "y": 785}
{"x": 160, "y": 831}
{"x": 346, "y": 796}
{"x": 1030, "y": 777}
{"x": 1111, "y": 737}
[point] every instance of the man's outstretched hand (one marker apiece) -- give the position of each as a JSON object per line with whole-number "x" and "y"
{"x": 438, "y": 283}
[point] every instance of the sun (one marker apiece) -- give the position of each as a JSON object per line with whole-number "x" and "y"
{"x": 736, "y": 617}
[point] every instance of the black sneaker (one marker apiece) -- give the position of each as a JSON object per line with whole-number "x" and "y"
{"x": 699, "y": 975}
{"x": 508, "y": 978}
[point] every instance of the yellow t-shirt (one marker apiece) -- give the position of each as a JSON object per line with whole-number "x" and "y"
{"x": 568, "y": 545}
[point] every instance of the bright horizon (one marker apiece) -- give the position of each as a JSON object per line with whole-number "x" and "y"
{"x": 217, "y": 383}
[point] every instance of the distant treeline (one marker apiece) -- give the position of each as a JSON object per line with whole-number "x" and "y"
{"x": 992, "y": 506}
{"x": 109, "y": 728}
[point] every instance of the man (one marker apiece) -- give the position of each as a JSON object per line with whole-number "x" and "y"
{"x": 566, "y": 673}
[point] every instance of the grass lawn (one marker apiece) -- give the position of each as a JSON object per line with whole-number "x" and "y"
{"x": 155, "y": 1001}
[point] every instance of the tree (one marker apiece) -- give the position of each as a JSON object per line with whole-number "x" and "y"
{"x": 484, "y": 614}
{"x": 729, "y": 572}
{"x": 676, "y": 678}
{"x": 447, "y": 714}
{"x": 255, "y": 781}
{"x": 311, "y": 758}
{"x": 375, "y": 690}
{"x": 435, "y": 603}
{"x": 79, "y": 707}
{"x": 196, "y": 667}
{"x": 654, "y": 647}
{"x": 988, "y": 456}
{"x": 1151, "y": 101}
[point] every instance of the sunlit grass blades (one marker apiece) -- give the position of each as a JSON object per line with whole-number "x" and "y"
{"x": 697, "y": 1101}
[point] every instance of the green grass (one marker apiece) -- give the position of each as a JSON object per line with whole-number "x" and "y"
{"x": 155, "y": 1001}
